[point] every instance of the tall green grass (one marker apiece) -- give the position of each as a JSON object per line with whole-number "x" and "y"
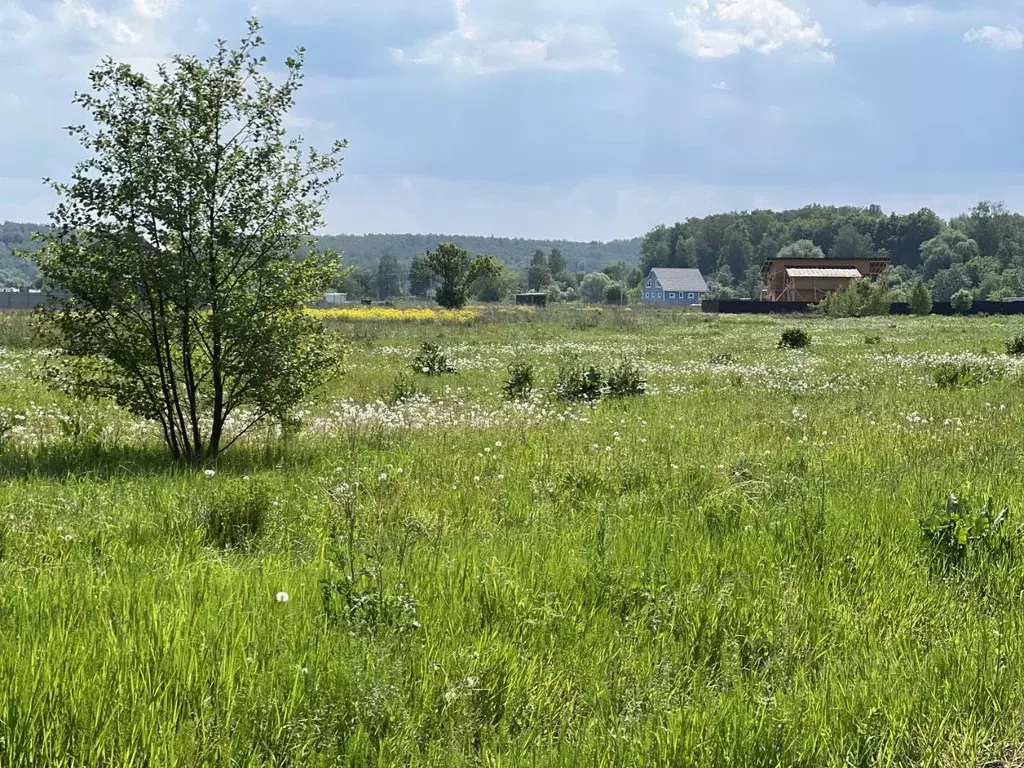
{"x": 727, "y": 571}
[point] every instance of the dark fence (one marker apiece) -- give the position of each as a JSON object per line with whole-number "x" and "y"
{"x": 944, "y": 308}
{"x": 22, "y": 300}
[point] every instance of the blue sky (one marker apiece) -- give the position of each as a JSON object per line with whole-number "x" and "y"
{"x": 584, "y": 119}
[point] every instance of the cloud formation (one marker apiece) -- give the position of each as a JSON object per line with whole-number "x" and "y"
{"x": 1000, "y": 38}
{"x": 713, "y": 29}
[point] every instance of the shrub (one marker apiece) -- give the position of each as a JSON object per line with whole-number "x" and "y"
{"x": 404, "y": 388}
{"x": 954, "y": 531}
{"x": 578, "y": 383}
{"x": 872, "y": 340}
{"x": 520, "y": 381}
{"x": 861, "y": 298}
{"x": 1015, "y": 346}
{"x": 794, "y": 338}
{"x": 963, "y": 375}
{"x": 624, "y": 380}
{"x": 431, "y": 361}
{"x": 962, "y": 301}
{"x": 921, "y": 300}
{"x": 615, "y": 294}
{"x": 235, "y": 514}
{"x": 723, "y": 359}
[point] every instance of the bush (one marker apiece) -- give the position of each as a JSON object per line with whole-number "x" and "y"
{"x": 1016, "y": 346}
{"x": 954, "y": 531}
{"x": 403, "y": 389}
{"x": 794, "y": 338}
{"x": 431, "y": 361}
{"x": 616, "y": 294}
{"x": 235, "y": 515}
{"x": 520, "y": 381}
{"x": 962, "y": 301}
{"x": 579, "y": 384}
{"x": 920, "y": 300}
{"x": 624, "y": 380}
{"x": 723, "y": 359}
{"x": 964, "y": 375}
{"x": 861, "y": 298}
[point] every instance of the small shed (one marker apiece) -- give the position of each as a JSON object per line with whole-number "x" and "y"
{"x": 335, "y": 299}
{"x": 532, "y": 299}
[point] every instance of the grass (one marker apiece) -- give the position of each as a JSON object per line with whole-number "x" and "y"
{"x": 729, "y": 570}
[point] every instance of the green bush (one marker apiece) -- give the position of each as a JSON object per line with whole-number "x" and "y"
{"x": 624, "y": 380}
{"x": 431, "y": 361}
{"x": 962, "y": 301}
{"x": 577, "y": 383}
{"x": 920, "y": 300}
{"x": 519, "y": 384}
{"x": 1015, "y": 346}
{"x": 954, "y": 531}
{"x": 964, "y": 375}
{"x": 861, "y": 298}
{"x": 794, "y": 338}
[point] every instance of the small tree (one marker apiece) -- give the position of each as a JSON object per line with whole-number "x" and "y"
{"x": 174, "y": 247}
{"x": 594, "y": 286}
{"x": 389, "y": 277}
{"x": 538, "y": 276}
{"x": 921, "y": 299}
{"x": 962, "y": 301}
{"x": 457, "y": 272}
{"x": 861, "y": 298}
{"x": 420, "y": 278}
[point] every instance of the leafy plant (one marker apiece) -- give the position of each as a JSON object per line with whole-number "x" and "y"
{"x": 872, "y": 340}
{"x": 456, "y": 272}
{"x": 964, "y": 375}
{"x": 578, "y": 383}
{"x": 404, "y": 388}
{"x": 519, "y": 384}
{"x": 431, "y": 360}
{"x": 1015, "y": 346}
{"x": 954, "y": 531}
{"x": 235, "y": 515}
{"x": 172, "y": 249}
{"x": 624, "y": 380}
{"x": 725, "y": 358}
{"x": 794, "y": 338}
{"x": 962, "y": 301}
{"x": 920, "y": 300}
{"x": 861, "y": 298}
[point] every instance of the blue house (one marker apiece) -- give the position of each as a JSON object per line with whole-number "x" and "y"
{"x": 674, "y": 287}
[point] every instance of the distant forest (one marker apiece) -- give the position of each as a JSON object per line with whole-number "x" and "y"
{"x": 981, "y": 251}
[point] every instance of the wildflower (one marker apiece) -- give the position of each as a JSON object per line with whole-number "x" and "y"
{"x": 209, "y": 474}
{"x": 498, "y": 444}
{"x": 476, "y": 479}
{"x": 501, "y": 477}
{"x": 281, "y": 597}
{"x": 383, "y": 477}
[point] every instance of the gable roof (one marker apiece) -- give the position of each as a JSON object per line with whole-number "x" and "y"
{"x": 687, "y": 280}
{"x": 826, "y": 272}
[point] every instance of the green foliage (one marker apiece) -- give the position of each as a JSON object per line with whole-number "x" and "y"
{"x": 431, "y": 360}
{"x": 174, "y": 241}
{"x": 404, "y": 388}
{"x": 456, "y": 272}
{"x": 616, "y": 294}
{"x": 920, "y": 300}
{"x": 801, "y": 249}
{"x": 861, "y": 298}
{"x": 594, "y": 287}
{"x": 1015, "y": 346}
{"x": 955, "y": 531}
{"x": 625, "y": 380}
{"x": 500, "y": 285}
{"x": 421, "y": 279}
{"x": 965, "y": 375}
{"x": 794, "y": 338}
{"x": 389, "y": 277}
{"x": 579, "y": 383}
{"x": 962, "y": 301}
{"x": 519, "y": 384}
{"x": 234, "y": 514}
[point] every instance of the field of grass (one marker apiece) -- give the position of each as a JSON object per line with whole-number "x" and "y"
{"x": 728, "y": 570}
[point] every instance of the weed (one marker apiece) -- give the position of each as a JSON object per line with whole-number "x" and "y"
{"x": 1015, "y": 346}
{"x": 954, "y": 531}
{"x": 577, "y": 383}
{"x": 965, "y": 375}
{"x": 872, "y": 340}
{"x": 519, "y": 384}
{"x": 624, "y": 380}
{"x": 725, "y": 358}
{"x": 794, "y": 338}
{"x": 404, "y": 388}
{"x": 431, "y": 360}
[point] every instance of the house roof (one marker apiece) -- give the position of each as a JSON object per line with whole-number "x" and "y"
{"x": 687, "y": 280}
{"x": 826, "y": 272}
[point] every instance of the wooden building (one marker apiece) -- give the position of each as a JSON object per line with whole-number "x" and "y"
{"x": 811, "y": 280}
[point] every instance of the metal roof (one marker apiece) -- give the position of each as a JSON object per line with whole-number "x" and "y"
{"x": 686, "y": 280}
{"x": 823, "y": 272}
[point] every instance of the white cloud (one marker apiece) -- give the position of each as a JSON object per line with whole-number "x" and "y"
{"x": 1000, "y": 38}
{"x": 489, "y": 39}
{"x": 721, "y": 85}
{"x": 713, "y": 29}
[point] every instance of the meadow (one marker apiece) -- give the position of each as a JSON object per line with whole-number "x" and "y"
{"x": 728, "y": 570}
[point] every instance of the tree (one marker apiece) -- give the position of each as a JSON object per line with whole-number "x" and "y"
{"x": 557, "y": 263}
{"x": 456, "y": 272}
{"x": 496, "y": 286}
{"x": 593, "y": 287}
{"x": 921, "y": 299}
{"x": 616, "y": 294}
{"x": 421, "y": 279}
{"x": 174, "y": 246}
{"x": 802, "y": 249}
{"x": 950, "y": 281}
{"x": 538, "y": 276}
{"x": 851, "y": 244}
{"x": 962, "y": 301}
{"x": 389, "y": 277}
{"x": 861, "y": 298}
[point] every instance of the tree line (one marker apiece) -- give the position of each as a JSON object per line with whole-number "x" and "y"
{"x": 980, "y": 251}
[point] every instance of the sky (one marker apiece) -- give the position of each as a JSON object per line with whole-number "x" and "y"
{"x": 576, "y": 119}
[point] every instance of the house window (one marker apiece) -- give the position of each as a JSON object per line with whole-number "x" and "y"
{"x": 671, "y": 295}
{"x": 690, "y": 296}
{"x": 650, "y": 283}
